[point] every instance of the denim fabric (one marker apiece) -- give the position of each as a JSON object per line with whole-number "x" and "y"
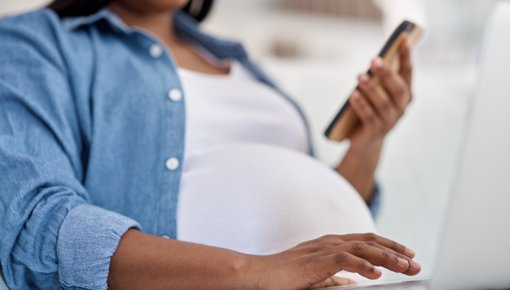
{"x": 2, "y": 283}
{"x": 86, "y": 128}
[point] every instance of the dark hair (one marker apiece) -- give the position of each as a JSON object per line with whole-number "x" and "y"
{"x": 198, "y": 9}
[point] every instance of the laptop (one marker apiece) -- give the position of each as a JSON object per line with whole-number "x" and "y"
{"x": 474, "y": 250}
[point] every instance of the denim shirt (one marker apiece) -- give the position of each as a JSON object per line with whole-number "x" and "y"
{"x": 91, "y": 145}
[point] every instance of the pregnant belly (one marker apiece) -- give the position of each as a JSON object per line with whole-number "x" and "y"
{"x": 261, "y": 199}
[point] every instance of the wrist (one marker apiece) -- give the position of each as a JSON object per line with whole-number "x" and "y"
{"x": 255, "y": 274}
{"x": 366, "y": 147}
{"x": 247, "y": 271}
{"x": 359, "y": 166}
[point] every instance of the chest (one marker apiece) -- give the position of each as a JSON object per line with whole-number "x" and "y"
{"x": 236, "y": 108}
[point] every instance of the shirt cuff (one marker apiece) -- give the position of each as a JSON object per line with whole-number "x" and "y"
{"x": 86, "y": 242}
{"x": 375, "y": 202}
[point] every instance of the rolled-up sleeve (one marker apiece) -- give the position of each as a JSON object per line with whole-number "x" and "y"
{"x": 89, "y": 235}
{"x": 51, "y": 235}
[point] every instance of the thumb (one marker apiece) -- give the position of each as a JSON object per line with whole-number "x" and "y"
{"x": 334, "y": 281}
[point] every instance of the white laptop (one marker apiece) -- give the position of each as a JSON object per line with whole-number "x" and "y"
{"x": 475, "y": 244}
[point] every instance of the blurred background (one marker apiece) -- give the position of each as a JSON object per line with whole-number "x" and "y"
{"x": 316, "y": 48}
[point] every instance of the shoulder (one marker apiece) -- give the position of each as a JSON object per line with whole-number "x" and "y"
{"x": 36, "y": 22}
{"x": 33, "y": 36}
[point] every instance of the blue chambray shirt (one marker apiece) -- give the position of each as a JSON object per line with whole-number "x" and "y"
{"x": 86, "y": 127}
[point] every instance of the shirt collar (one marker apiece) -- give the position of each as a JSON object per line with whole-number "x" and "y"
{"x": 73, "y": 23}
{"x": 185, "y": 26}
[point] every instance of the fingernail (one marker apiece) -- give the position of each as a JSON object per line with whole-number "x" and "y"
{"x": 415, "y": 265}
{"x": 378, "y": 63}
{"x": 355, "y": 95}
{"x": 403, "y": 263}
{"x": 410, "y": 253}
{"x": 376, "y": 271}
{"x": 407, "y": 44}
{"x": 364, "y": 78}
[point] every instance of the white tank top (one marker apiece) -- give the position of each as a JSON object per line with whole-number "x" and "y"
{"x": 248, "y": 184}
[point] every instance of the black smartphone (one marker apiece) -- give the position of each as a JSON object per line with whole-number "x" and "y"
{"x": 346, "y": 121}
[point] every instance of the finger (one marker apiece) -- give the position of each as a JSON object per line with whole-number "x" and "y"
{"x": 414, "y": 268}
{"x": 378, "y": 257}
{"x": 345, "y": 261}
{"x": 370, "y": 237}
{"x": 406, "y": 64}
{"x": 380, "y": 100}
{"x": 334, "y": 281}
{"x": 365, "y": 111}
{"x": 335, "y": 239}
{"x": 394, "y": 84}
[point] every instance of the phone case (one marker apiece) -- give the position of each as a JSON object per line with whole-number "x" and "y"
{"x": 346, "y": 121}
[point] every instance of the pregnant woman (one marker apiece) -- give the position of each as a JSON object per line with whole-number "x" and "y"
{"x": 137, "y": 152}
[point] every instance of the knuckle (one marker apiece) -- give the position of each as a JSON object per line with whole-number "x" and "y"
{"x": 312, "y": 249}
{"x": 323, "y": 238}
{"x": 372, "y": 244}
{"x": 307, "y": 243}
{"x": 385, "y": 105}
{"x": 385, "y": 256}
{"x": 369, "y": 87}
{"x": 357, "y": 247}
{"x": 370, "y": 119}
{"x": 384, "y": 72}
{"x": 360, "y": 100}
{"x": 340, "y": 258}
{"x": 328, "y": 238}
{"x": 395, "y": 260}
{"x": 388, "y": 73}
{"x": 371, "y": 237}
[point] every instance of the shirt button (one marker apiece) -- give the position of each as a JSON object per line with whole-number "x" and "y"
{"x": 156, "y": 51}
{"x": 175, "y": 95}
{"x": 172, "y": 164}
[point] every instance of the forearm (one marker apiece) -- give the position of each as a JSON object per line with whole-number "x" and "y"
{"x": 143, "y": 261}
{"x": 359, "y": 166}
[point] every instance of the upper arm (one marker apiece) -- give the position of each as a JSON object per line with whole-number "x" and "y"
{"x": 53, "y": 236}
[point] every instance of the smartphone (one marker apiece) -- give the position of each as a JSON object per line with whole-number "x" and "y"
{"x": 346, "y": 121}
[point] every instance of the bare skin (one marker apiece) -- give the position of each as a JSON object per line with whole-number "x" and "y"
{"x": 157, "y": 20}
{"x": 380, "y": 107}
{"x": 144, "y": 261}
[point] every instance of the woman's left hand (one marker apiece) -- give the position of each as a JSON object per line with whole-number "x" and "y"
{"x": 381, "y": 105}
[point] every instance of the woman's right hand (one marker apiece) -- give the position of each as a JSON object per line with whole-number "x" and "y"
{"x": 316, "y": 262}
{"x": 144, "y": 261}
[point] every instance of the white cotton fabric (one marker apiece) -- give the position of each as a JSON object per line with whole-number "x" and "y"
{"x": 248, "y": 184}
{"x": 235, "y": 108}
